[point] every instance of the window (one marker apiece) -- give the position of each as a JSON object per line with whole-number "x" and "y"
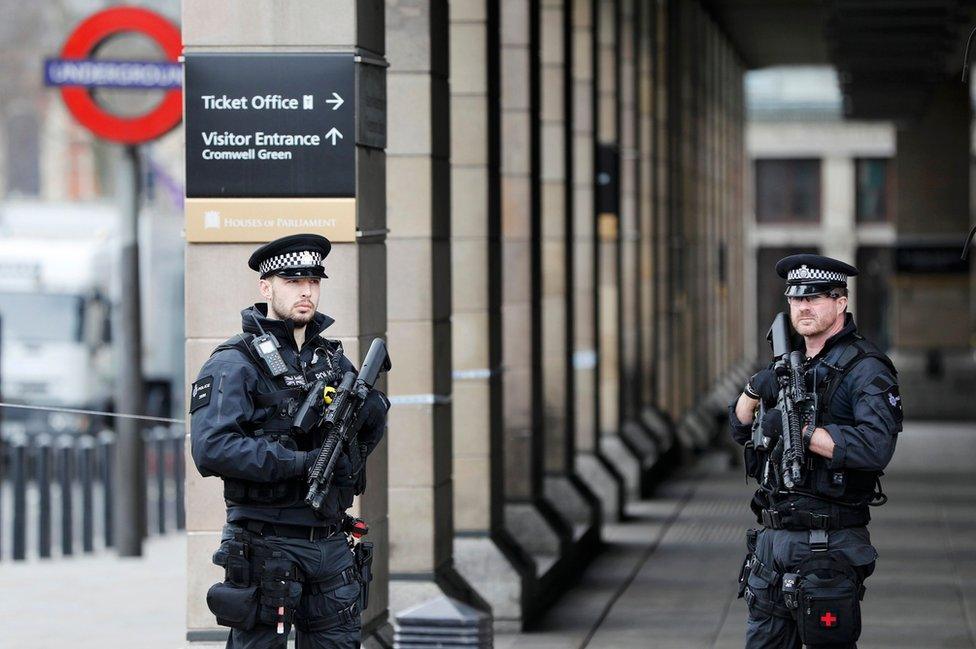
{"x": 788, "y": 191}
{"x": 874, "y": 191}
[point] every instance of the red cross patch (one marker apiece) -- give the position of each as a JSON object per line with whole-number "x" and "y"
{"x": 828, "y": 619}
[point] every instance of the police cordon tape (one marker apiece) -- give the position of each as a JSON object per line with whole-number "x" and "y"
{"x": 78, "y": 411}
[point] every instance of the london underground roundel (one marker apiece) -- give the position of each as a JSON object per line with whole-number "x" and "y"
{"x": 77, "y": 72}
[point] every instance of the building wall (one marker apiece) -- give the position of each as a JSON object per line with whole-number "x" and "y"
{"x": 836, "y": 146}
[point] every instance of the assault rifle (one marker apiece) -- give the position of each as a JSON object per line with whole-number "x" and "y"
{"x": 338, "y": 419}
{"x": 798, "y": 407}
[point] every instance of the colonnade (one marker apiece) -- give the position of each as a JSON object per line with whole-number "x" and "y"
{"x": 559, "y": 280}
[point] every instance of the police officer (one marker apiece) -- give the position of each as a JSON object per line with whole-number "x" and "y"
{"x": 804, "y": 573}
{"x": 283, "y": 563}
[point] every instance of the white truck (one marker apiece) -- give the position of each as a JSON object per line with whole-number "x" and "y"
{"x": 54, "y": 330}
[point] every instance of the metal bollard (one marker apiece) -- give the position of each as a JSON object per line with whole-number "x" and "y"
{"x": 86, "y": 470}
{"x": 3, "y": 479}
{"x": 65, "y": 446}
{"x": 159, "y": 447}
{"x": 44, "y": 464}
{"x": 106, "y": 453}
{"x": 18, "y": 461}
{"x": 178, "y": 449}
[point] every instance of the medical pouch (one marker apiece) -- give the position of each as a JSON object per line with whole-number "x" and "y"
{"x": 281, "y": 590}
{"x": 828, "y": 602}
{"x": 233, "y": 606}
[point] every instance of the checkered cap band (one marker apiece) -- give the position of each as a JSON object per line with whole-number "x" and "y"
{"x": 806, "y": 274}
{"x": 301, "y": 259}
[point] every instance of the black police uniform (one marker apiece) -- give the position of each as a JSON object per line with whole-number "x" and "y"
{"x": 804, "y": 571}
{"x": 283, "y": 563}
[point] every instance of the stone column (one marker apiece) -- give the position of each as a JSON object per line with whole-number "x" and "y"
{"x": 664, "y": 378}
{"x": 623, "y": 460}
{"x": 645, "y": 191}
{"x": 484, "y": 553}
{"x": 632, "y": 432}
{"x": 419, "y": 261}
{"x": 937, "y": 374}
{"x": 593, "y": 468}
{"x": 684, "y": 239}
{"x": 534, "y": 526}
{"x": 571, "y": 498}
{"x": 676, "y": 154}
{"x": 652, "y": 418}
{"x": 354, "y": 294}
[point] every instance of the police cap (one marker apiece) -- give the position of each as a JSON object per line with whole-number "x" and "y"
{"x": 297, "y": 255}
{"x": 813, "y": 274}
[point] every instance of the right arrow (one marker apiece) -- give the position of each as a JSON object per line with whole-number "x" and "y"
{"x": 338, "y": 101}
{"x": 333, "y": 134}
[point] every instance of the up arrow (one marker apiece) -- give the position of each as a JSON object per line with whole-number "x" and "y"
{"x": 338, "y": 101}
{"x": 333, "y": 133}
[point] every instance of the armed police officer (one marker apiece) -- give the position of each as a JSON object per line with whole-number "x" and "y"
{"x": 828, "y": 420}
{"x": 284, "y": 562}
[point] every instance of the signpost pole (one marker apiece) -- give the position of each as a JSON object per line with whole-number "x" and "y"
{"x": 130, "y": 497}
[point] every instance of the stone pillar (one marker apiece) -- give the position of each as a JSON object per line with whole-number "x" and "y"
{"x": 652, "y": 418}
{"x": 354, "y": 294}
{"x": 624, "y": 461}
{"x": 483, "y": 551}
{"x": 683, "y": 235}
{"x": 419, "y": 258}
{"x": 631, "y": 377}
{"x": 838, "y": 208}
{"x": 534, "y": 526}
{"x": 593, "y": 468}
{"x": 571, "y": 499}
{"x": 645, "y": 188}
{"x": 937, "y": 374}
{"x": 664, "y": 378}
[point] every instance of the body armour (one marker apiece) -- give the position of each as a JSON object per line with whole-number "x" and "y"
{"x": 241, "y": 424}
{"x": 859, "y": 406}
{"x": 281, "y": 398}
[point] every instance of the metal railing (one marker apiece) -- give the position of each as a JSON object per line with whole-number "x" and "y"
{"x": 57, "y": 491}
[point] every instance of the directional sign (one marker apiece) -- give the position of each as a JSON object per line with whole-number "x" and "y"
{"x": 270, "y": 125}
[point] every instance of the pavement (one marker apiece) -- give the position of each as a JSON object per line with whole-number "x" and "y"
{"x": 98, "y": 601}
{"x": 666, "y": 579}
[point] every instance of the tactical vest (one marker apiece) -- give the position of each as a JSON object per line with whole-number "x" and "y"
{"x": 841, "y": 486}
{"x": 283, "y": 397}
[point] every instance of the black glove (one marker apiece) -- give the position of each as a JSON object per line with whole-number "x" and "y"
{"x": 772, "y": 424}
{"x": 310, "y": 458}
{"x": 763, "y": 385}
{"x": 371, "y": 419}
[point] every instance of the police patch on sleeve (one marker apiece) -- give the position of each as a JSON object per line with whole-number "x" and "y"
{"x": 892, "y": 398}
{"x": 200, "y": 393}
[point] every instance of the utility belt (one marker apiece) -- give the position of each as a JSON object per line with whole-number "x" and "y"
{"x": 295, "y": 531}
{"x": 795, "y": 519}
{"x": 823, "y": 595}
{"x": 263, "y": 586}
{"x": 807, "y": 513}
